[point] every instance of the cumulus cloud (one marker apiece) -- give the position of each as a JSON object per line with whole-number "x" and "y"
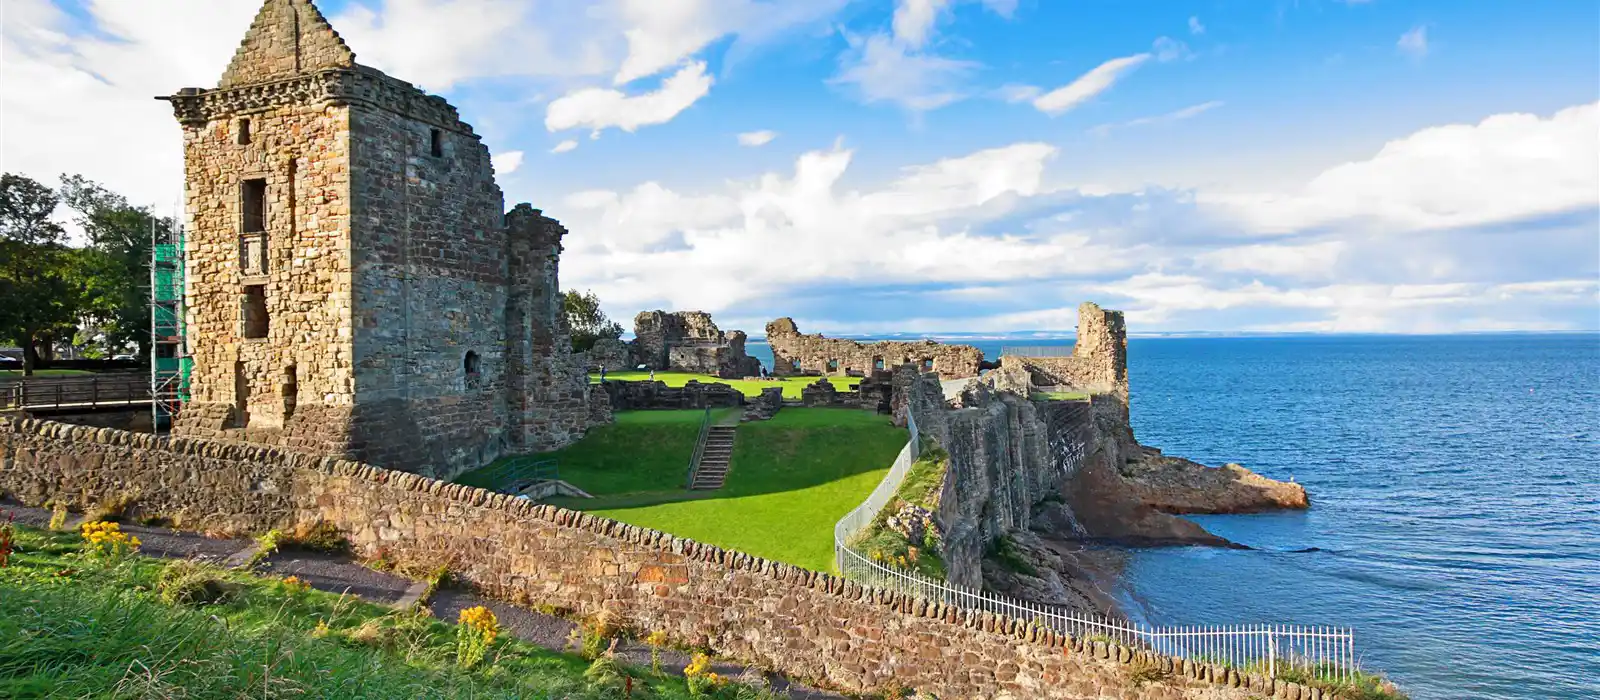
{"x": 564, "y": 146}
{"x": 1507, "y": 167}
{"x": 1195, "y": 27}
{"x": 1414, "y": 43}
{"x": 983, "y": 234}
{"x": 601, "y": 108}
{"x": 507, "y": 162}
{"x": 757, "y": 138}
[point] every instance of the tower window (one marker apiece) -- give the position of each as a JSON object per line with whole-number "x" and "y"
{"x": 436, "y": 143}
{"x": 243, "y": 136}
{"x": 291, "y": 391}
{"x": 255, "y": 311}
{"x": 927, "y": 365}
{"x": 469, "y": 366}
{"x": 877, "y": 363}
{"x": 255, "y": 205}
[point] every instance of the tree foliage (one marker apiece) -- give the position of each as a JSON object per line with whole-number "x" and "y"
{"x": 116, "y": 265}
{"x": 588, "y": 323}
{"x": 40, "y": 292}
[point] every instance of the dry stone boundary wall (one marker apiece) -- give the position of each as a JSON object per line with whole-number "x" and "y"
{"x": 807, "y": 624}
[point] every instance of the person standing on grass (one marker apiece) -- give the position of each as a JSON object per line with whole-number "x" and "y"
{"x": 602, "y": 374}
{"x": 652, "y": 374}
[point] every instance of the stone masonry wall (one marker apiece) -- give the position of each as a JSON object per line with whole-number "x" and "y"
{"x": 689, "y": 341}
{"x": 404, "y": 318}
{"x": 1099, "y": 359}
{"x": 797, "y": 354}
{"x": 428, "y": 247}
{"x": 243, "y": 385}
{"x": 809, "y": 625}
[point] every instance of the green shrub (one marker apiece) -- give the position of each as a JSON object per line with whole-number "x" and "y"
{"x": 1004, "y": 552}
{"x": 187, "y": 582}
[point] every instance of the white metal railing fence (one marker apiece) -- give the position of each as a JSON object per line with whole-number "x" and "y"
{"x": 1325, "y": 652}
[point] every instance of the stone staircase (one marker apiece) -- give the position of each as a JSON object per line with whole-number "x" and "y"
{"x": 712, "y": 470}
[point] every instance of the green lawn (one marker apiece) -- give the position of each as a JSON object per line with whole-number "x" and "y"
{"x": 792, "y": 478}
{"x": 74, "y": 627}
{"x": 1060, "y": 396}
{"x": 791, "y": 385}
{"x": 644, "y": 451}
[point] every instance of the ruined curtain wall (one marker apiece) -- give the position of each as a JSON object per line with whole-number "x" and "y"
{"x": 807, "y": 624}
{"x": 795, "y": 353}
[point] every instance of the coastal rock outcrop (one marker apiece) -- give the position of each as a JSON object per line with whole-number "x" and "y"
{"x": 1178, "y": 485}
{"x": 1043, "y": 464}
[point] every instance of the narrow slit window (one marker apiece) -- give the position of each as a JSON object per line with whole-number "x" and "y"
{"x": 291, "y": 391}
{"x": 436, "y": 143}
{"x": 244, "y": 132}
{"x": 255, "y": 311}
{"x": 255, "y": 205}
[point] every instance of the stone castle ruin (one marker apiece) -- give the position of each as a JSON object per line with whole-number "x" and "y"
{"x": 795, "y": 353}
{"x": 356, "y": 286}
{"x": 689, "y": 341}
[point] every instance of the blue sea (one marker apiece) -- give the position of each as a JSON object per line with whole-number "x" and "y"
{"x": 1455, "y": 488}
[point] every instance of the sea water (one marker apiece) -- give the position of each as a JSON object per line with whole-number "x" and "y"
{"x": 1455, "y": 489}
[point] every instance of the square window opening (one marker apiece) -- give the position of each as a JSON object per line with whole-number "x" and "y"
{"x": 255, "y": 311}
{"x": 255, "y": 205}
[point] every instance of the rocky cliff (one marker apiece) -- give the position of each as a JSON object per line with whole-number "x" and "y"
{"x": 1031, "y": 485}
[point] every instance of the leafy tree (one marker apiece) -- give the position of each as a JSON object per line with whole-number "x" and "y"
{"x": 588, "y": 322}
{"x": 115, "y": 268}
{"x": 40, "y": 296}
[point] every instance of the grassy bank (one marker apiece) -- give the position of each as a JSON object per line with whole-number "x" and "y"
{"x": 792, "y": 478}
{"x": 641, "y": 452}
{"x": 73, "y": 625}
{"x": 791, "y": 385}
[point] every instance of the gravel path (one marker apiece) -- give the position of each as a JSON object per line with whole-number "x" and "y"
{"x": 336, "y": 574}
{"x": 340, "y": 574}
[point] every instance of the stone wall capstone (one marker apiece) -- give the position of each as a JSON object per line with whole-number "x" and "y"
{"x": 809, "y": 625}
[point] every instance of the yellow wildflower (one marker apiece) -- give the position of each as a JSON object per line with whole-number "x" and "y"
{"x": 483, "y": 620}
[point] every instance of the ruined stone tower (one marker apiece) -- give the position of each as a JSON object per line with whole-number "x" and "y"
{"x": 355, "y": 285}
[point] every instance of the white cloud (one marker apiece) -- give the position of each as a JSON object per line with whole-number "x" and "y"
{"x": 506, "y": 163}
{"x": 601, "y": 108}
{"x": 1414, "y": 43}
{"x": 1170, "y": 49}
{"x": 1173, "y": 116}
{"x": 918, "y": 227}
{"x": 897, "y": 66}
{"x": 1508, "y": 167}
{"x": 757, "y": 138}
{"x": 1195, "y": 27}
{"x": 1094, "y": 82}
{"x": 1308, "y": 260}
{"x": 564, "y": 146}
{"x": 914, "y": 20}
{"x": 881, "y": 70}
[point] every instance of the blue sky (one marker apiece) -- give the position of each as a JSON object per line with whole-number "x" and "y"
{"x": 955, "y": 165}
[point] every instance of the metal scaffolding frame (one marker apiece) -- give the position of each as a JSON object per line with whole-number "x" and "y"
{"x": 170, "y": 362}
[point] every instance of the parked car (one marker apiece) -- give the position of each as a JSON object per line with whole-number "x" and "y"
{"x": 9, "y": 362}
{"x": 124, "y": 357}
